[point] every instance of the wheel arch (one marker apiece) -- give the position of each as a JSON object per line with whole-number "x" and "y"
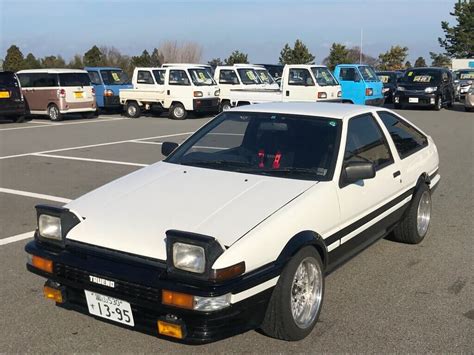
{"x": 301, "y": 240}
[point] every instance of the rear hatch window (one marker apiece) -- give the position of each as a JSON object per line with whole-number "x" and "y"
{"x": 74, "y": 79}
{"x": 8, "y": 80}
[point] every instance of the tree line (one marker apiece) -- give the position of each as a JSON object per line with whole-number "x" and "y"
{"x": 458, "y": 42}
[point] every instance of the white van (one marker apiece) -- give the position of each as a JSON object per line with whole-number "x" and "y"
{"x": 56, "y": 92}
{"x": 176, "y": 89}
{"x": 300, "y": 82}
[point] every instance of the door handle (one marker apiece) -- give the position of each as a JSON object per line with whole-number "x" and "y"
{"x": 396, "y": 173}
{"x": 168, "y": 92}
{"x": 287, "y": 93}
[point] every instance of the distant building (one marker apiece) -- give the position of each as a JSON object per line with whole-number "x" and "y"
{"x": 462, "y": 63}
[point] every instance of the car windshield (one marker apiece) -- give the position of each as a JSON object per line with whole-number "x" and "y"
{"x": 323, "y": 76}
{"x": 8, "y": 79}
{"x": 280, "y": 145}
{"x": 74, "y": 79}
{"x": 201, "y": 77}
{"x": 248, "y": 76}
{"x": 264, "y": 76}
{"x": 368, "y": 73}
{"x": 465, "y": 75}
{"x": 387, "y": 78}
{"x": 114, "y": 77}
{"x": 425, "y": 76}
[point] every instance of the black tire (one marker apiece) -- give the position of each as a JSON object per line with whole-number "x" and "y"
{"x": 468, "y": 109}
{"x": 178, "y": 112}
{"x": 133, "y": 109}
{"x": 407, "y": 230}
{"x": 397, "y": 106}
{"x": 54, "y": 114}
{"x": 439, "y": 103}
{"x": 279, "y": 322}
{"x": 224, "y": 106}
{"x": 19, "y": 119}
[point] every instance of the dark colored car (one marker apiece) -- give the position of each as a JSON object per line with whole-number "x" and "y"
{"x": 12, "y": 104}
{"x": 389, "y": 80}
{"x": 429, "y": 87}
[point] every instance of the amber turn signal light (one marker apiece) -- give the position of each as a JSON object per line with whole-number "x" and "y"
{"x": 228, "y": 272}
{"x": 42, "y": 264}
{"x": 53, "y": 294}
{"x": 177, "y": 299}
{"x": 170, "y": 329}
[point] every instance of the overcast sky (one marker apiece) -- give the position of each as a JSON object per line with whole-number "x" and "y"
{"x": 259, "y": 27}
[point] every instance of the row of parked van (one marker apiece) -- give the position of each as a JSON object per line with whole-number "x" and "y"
{"x": 180, "y": 88}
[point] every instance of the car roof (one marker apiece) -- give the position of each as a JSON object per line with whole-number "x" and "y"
{"x": 52, "y": 71}
{"x": 316, "y": 109}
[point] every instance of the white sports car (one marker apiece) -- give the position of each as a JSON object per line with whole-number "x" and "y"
{"x": 237, "y": 228}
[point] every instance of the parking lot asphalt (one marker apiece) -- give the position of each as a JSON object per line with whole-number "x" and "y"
{"x": 390, "y": 298}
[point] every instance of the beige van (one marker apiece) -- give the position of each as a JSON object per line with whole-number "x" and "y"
{"x": 56, "y": 92}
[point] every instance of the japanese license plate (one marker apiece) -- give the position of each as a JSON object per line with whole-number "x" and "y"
{"x": 78, "y": 94}
{"x": 413, "y": 100}
{"x": 4, "y": 94}
{"x": 109, "y": 308}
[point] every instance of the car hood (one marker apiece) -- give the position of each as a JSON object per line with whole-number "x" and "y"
{"x": 133, "y": 213}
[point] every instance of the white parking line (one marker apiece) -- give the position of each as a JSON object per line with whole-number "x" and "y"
{"x": 17, "y": 238}
{"x": 34, "y": 195}
{"x": 93, "y": 145}
{"x": 66, "y": 123}
{"x": 144, "y": 142}
{"x": 89, "y": 159}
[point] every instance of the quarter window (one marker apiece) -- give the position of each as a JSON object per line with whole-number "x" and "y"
{"x": 300, "y": 77}
{"x": 144, "y": 77}
{"x": 406, "y": 138}
{"x": 36, "y": 80}
{"x": 366, "y": 142}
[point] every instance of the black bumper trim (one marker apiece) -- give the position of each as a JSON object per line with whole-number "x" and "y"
{"x": 206, "y": 105}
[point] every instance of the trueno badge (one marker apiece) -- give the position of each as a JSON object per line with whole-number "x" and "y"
{"x": 100, "y": 281}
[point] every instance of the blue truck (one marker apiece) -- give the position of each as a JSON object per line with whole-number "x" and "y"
{"x": 107, "y": 82}
{"x": 360, "y": 84}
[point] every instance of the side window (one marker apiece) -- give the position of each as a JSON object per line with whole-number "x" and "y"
{"x": 178, "y": 77}
{"x": 95, "y": 78}
{"x": 406, "y": 138}
{"x": 40, "y": 80}
{"x": 25, "y": 80}
{"x": 144, "y": 77}
{"x": 366, "y": 142}
{"x": 348, "y": 74}
{"x": 159, "y": 76}
{"x": 228, "y": 77}
{"x": 300, "y": 77}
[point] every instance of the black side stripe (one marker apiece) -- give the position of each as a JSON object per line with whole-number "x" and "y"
{"x": 359, "y": 223}
{"x": 432, "y": 176}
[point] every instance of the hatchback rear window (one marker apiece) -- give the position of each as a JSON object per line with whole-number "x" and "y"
{"x": 74, "y": 79}
{"x": 8, "y": 79}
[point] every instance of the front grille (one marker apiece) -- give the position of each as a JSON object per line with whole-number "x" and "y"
{"x": 122, "y": 288}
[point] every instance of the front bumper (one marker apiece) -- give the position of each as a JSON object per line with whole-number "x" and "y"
{"x": 141, "y": 284}
{"x": 375, "y": 102}
{"x": 424, "y": 99}
{"x": 206, "y": 105}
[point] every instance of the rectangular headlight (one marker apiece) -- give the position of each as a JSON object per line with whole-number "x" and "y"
{"x": 189, "y": 257}
{"x": 49, "y": 227}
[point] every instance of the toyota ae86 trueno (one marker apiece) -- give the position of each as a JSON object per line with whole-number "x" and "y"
{"x": 237, "y": 228}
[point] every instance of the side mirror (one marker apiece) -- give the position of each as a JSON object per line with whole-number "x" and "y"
{"x": 168, "y": 147}
{"x": 357, "y": 170}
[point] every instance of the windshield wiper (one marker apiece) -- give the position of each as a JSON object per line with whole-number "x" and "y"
{"x": 283, "y": 171}
{"x": 216, "y": 163}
